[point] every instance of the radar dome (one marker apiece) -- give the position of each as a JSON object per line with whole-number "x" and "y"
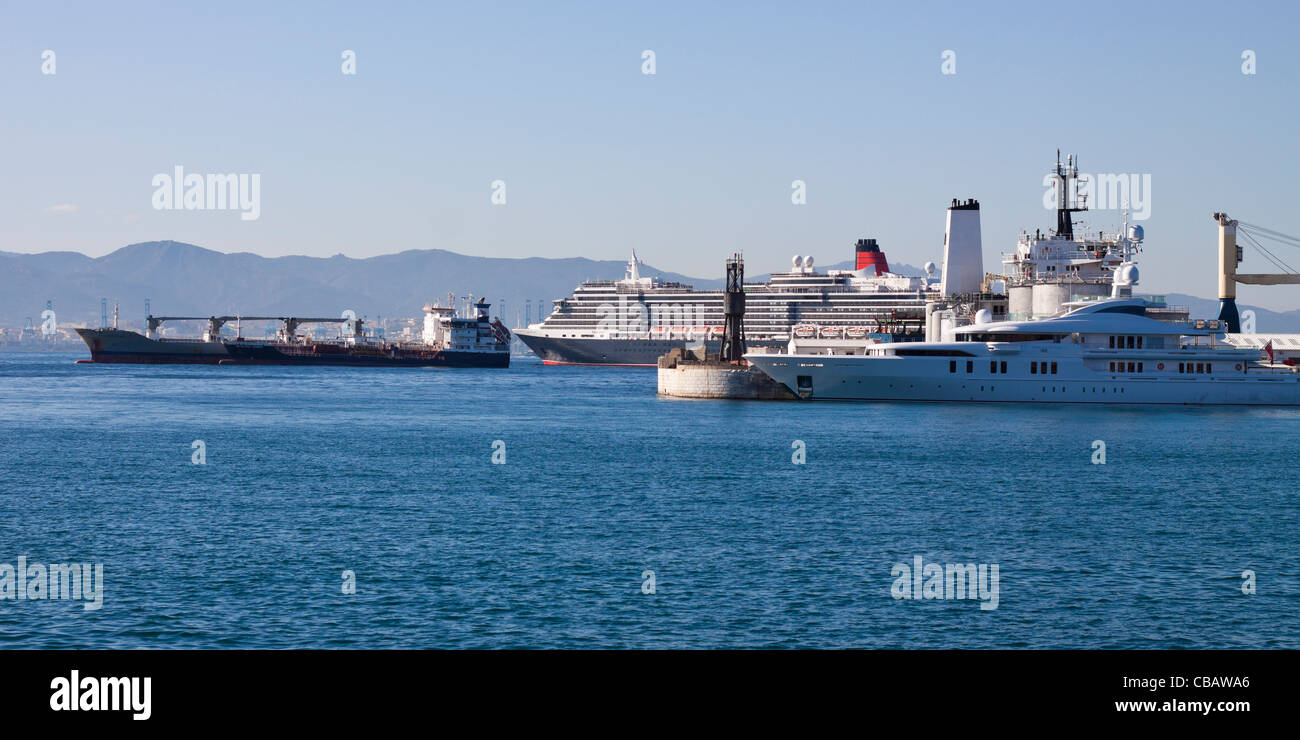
{"x": 1135, "y": 233}
{"x": 1126, "y": 274}
{"x": 930, "y": 267}
{"x": 797, "y": 261}
{"x": 808, "y": 262}
{"x": 983, "y": 316}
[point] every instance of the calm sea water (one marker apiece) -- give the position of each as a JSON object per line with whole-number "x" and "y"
{"x": 388, "y": 473}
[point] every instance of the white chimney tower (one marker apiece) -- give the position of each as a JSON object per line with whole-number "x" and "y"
{"x": 963, "y": 253}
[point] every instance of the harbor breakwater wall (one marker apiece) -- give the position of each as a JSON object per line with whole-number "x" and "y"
{"x": 683, "y": 374}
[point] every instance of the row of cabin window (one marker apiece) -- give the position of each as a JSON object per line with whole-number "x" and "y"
{"x": 1125, "y": 342}
{"x": 1045, "y": 368}
{"x": 1183, "y": 367}
{"x": 996, "y": 367}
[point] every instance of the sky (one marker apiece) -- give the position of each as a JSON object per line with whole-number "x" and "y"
{"x": 685, "y": 165}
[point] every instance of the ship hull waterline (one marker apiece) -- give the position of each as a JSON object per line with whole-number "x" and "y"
{"x": 274, "y": 355}
{"x": 601, "y": 351}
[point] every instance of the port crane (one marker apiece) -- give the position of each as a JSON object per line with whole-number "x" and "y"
{"x": 1230, "y": 255}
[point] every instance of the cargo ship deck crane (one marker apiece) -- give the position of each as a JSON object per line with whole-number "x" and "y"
{"x": 1230, "y": 255}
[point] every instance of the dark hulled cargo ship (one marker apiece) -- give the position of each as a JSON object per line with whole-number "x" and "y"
{"x": 447, "y": 340}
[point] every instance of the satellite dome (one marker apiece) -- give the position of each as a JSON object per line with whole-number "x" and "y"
{"x": 1126, "y": 274}
{"x": 797, "y": 261}
{"x": 983, "y": 316}
{"x": 1135, "y": 233}
{"x": 808, "y": 262}
{"x": 930, "y": 268}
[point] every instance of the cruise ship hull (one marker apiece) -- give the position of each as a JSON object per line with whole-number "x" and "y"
{"x": 832, "y": 378}
{"x": 129, "y": 347}
{"x": 601, "y": 351}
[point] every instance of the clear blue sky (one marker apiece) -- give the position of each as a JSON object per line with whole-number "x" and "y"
{"x": 685, "y": 166}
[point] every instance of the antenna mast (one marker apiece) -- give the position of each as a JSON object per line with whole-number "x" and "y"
{"x": 1066, "y": 182}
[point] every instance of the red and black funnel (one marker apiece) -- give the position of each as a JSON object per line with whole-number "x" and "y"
{"x": 869, "y": 255}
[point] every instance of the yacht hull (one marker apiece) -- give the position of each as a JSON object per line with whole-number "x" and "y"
{"x": 833, "y": 378}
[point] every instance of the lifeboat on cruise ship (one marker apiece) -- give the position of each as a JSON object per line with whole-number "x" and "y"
{"x": 804, "y": 331}
{"x": 857, "y": 332}
{"x": 830, "y": 332}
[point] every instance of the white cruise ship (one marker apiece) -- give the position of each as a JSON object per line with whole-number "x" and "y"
{"x": 635, "y": 320}
{"x": 1105, "y": 351}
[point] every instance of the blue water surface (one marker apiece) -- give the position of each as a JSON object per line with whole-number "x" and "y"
{"x": 389, "y": 473}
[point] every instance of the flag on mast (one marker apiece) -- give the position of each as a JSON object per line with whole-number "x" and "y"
{"x": 1268, "y": 348}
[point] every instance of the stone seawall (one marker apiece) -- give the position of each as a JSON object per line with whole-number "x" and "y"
{"x": 718, "y": 380}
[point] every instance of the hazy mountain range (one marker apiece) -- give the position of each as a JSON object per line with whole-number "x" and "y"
{"x": 183, "y": 279}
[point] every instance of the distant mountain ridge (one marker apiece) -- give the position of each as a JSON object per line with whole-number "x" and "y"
{"x": 184, "y": 279}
